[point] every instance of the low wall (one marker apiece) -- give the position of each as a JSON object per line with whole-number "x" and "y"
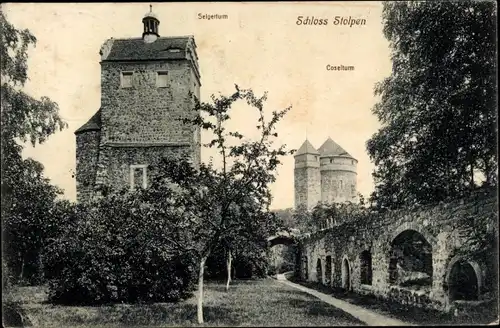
{"x": 456, "y": 231}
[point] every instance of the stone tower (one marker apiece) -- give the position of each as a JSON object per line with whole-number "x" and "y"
{"x": 328, "y": 174}
{"x": 338, "y": 174}
{"x": 147, "y": 88}
{"x": 307, "y": 176}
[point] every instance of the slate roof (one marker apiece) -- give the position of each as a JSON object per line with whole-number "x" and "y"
{"x": 331, "y": 148}
{"x": 306, "y": 148}
{"x": 94, "y": 124}
{"x": 137, "y": 49}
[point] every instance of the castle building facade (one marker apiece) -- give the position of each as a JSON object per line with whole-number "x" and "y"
{"x": 327, "y": 175}
{"x": 148, "y": 85}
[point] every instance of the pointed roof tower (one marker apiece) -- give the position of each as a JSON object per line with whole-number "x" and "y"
{"x": 306, "y": 148}
{"x": 331, "y": 148}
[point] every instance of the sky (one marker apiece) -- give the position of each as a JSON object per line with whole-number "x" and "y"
{"x": 259, "y": 46}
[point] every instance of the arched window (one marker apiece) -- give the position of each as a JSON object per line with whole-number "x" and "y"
{"x": 365, "y": 259}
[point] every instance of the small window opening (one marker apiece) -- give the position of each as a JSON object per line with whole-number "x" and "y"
{"x": 126, "y": 80}
{"x": 161, "y": 80}
{"x": 138, "y": 176}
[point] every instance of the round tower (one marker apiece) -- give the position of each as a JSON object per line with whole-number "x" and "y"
{"x": 306, "y": 176}
{"x": 338, "y": 174}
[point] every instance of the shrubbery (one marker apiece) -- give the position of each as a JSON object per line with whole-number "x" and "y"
{"x": 117, "y": 251}
{"x": 245, "y": 265}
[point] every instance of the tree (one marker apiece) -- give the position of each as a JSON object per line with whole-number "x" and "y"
{"x": 286, "y": 218}
{"x": 249, "y": 236}
{"x": 304, "y": 219}
{"x": 247, "y": 168}
{"x": 27, "y": 196}
{"x": 437, "y": 108}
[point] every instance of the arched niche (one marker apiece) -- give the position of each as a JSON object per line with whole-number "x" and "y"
{"x": 328, "y": 270}
{"x": 346, "y": 273}
{"x": 365, "y": 262}
{"x": 410, "y": 260}
{"x": 464, "y": 280}
{"x": 319, "y": 271}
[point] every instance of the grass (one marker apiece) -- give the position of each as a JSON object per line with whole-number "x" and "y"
{"x": 263, "y": 302}
{"x": 409, "y": 314}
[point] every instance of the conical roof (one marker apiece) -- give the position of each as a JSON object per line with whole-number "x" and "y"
{"x": 331, "y": 148}
{"x": 306, "y": 148}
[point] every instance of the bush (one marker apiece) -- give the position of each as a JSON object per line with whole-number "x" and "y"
{"x": 116, "y": 251}
{"x": 244, "y": 265}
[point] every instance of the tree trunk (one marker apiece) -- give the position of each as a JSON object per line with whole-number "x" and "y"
{"x": 472, "y": 183}
{"x": 21, "y": 274}
{"x": 200, "y": 289}
{"x": 229, "y": 265}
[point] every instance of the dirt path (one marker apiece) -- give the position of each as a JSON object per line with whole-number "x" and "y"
{"x": 367, "y": 316}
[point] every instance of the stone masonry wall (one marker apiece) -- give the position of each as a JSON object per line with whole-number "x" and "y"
{"x": 143, "y": 123}
{"x": 338, "y": 179}
{"x": 120, "y": 159}
{"x": 307, "y": 186}
{"x": 146, "y": 113}
{"x": 87, "y": 150}
{"x": 338, "y": 186}
{"x": 449, "y": 228}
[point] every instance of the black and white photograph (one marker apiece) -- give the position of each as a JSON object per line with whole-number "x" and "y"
{"x": 260, "y": 164}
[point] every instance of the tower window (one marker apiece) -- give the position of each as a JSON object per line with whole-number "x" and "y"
{"x": 331, "y": 160}
{"x": 138, "y": 176}
{"x": 126, "y": 79}
{"x": 161, "y": 79}
{"x": 341, "y": 185}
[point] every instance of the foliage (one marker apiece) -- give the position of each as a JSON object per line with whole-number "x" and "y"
{"x": 119, "y": 250}
{"x": 286, "y": 218}
{"x": 232, "y": 201}
{"x": 304, "y": 219}
{"x": 437, "y": 108}
{"x": 28, "y": 199}
{"x": 326, "y": 215}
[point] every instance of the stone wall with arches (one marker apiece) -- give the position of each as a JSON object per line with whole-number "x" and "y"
{"x": 413, "y": 256}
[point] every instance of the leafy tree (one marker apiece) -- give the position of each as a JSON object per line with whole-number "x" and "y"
{"x": 248, "y": 166}
{"x": 286, "y": 218}
{"x": 437, "y": 108}
{"x": 27, "y": 197}
{"x": 304, "y": 219}
{"x": 249, "y": 236}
